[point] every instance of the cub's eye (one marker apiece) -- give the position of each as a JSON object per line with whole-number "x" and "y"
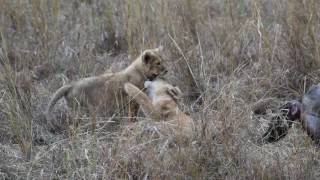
{"x": 158, "y": 63}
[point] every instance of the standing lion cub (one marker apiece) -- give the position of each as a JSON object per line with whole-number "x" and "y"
{"x": 161, "y": 103}
{"x": 105, "y": 93}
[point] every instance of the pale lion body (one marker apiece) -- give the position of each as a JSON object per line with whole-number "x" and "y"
{"x": 105, "y": 93}
{"x": 161, "y": 103}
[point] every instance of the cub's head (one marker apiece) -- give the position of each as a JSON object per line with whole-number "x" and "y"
{"x": 152, "y": 63}
{"x": 159, "y": 88}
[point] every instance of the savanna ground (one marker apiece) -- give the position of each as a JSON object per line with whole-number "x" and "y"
{"x": 235, "y": 60}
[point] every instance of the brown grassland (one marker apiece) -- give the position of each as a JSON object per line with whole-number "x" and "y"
{"x": 236, "y": 62}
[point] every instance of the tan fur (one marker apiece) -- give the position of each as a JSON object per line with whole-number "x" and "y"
{"x": 161, "y": 103}
{"x": 105, "y": 93}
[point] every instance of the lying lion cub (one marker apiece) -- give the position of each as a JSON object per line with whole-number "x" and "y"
{"x": 105, "y": 93}
{"x": 161, "y": 103}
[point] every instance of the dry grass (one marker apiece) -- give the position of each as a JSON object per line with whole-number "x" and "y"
{"x": 231, "y": 58}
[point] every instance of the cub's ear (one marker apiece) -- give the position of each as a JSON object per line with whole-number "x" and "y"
{"x": 147, "y": 57}
{"x": 174, "y": 92}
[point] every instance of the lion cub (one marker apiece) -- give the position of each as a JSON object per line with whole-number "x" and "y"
{"x": 161, "y": 103}
{"x": 105, "y": 93}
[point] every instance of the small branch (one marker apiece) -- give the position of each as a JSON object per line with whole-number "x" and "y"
{"x": 185, "y": 59}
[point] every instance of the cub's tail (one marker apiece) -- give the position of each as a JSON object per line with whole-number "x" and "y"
{"x": 56, "y": 96}
{"x": 143, "y": 100}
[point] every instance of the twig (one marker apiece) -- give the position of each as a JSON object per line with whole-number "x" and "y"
{"x": 185, "y": 59}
